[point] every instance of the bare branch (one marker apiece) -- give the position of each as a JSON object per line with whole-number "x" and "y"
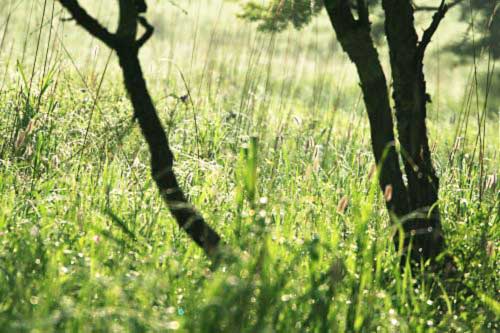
{"x": 363, "y": 12}
{"x": 89, "y": 23}
{"x": 433, "y": 8}
{"x": 140, "y": 6}
{"x": 147, "y": 34}
{"x": 127, "y": 22}
{"x": 429, "y": 32}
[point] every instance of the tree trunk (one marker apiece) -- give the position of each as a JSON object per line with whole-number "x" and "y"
{"x": 124, "y": 43}
{"x": 354, "y": 37}
{"x": 415, "y": 204}
{"x": 161, "y": 157}
{"x": 410, "y": 99}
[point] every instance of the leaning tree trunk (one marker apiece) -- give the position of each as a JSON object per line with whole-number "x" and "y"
{"x": 414, "y": 204}
{"x": 124, "y": 43}
{"x": 161, "y": 156}
{"x": 410, "y": 96}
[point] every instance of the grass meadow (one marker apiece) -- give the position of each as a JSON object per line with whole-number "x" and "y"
{"x": 87, "y": 245}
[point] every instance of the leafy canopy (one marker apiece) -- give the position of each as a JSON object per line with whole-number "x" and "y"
{"x": 482, "y": 15}
{"x": 275, "y": 15}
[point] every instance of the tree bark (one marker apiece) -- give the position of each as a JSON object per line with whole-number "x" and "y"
{"x": 161, "y": 155}
{"x": 355, "y": 39}
{"x": 414, "y": 203}
{"x": 124, "y": 43}
{"x": 409, "y": 94}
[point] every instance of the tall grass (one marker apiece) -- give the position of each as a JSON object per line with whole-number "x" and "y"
{"x": 280, "y": 165}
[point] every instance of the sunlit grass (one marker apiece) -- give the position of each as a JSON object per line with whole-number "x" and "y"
{"x": 309, "y": 240}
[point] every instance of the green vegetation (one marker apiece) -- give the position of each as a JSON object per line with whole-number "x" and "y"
{"x": 281, "y": 167}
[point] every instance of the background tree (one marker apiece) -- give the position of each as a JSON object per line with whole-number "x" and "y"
{"x": 481, "y": 40}
{"x": 126, "y": 45}
{"x": 483, "y": 33}
{"x": 414, "y": 202}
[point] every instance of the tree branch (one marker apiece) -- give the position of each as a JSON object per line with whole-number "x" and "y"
{"x": 433, "y": 8}
{"x": 127, "y": 21}
{"x": 147, "y": 34}
{"x": 89, "y": 23}
{"x": 363, "y": 12}
{"x": 429, "y": 32}
{"x": 340, "y": 11}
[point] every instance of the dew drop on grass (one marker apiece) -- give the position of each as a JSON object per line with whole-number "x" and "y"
{"x": 35, "y": 231}
{"x": 173, "y": 325}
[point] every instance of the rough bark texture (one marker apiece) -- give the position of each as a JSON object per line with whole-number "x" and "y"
{"x": 127, "y": 48}
{"x": 406, "y": 57}
{"x": 416, "y": 202}
{"x": 355, "y": 38}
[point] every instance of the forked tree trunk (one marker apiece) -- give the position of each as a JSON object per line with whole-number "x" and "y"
{"x": 127, "y": 48}
{"x": 410, "y": 97}
{"x": 414, "y": 204}
{"x": 354, "y": 37}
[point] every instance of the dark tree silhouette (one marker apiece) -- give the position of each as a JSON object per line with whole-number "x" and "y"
{"x": 127, "y": 46}
{"x": 414, "y": 202}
